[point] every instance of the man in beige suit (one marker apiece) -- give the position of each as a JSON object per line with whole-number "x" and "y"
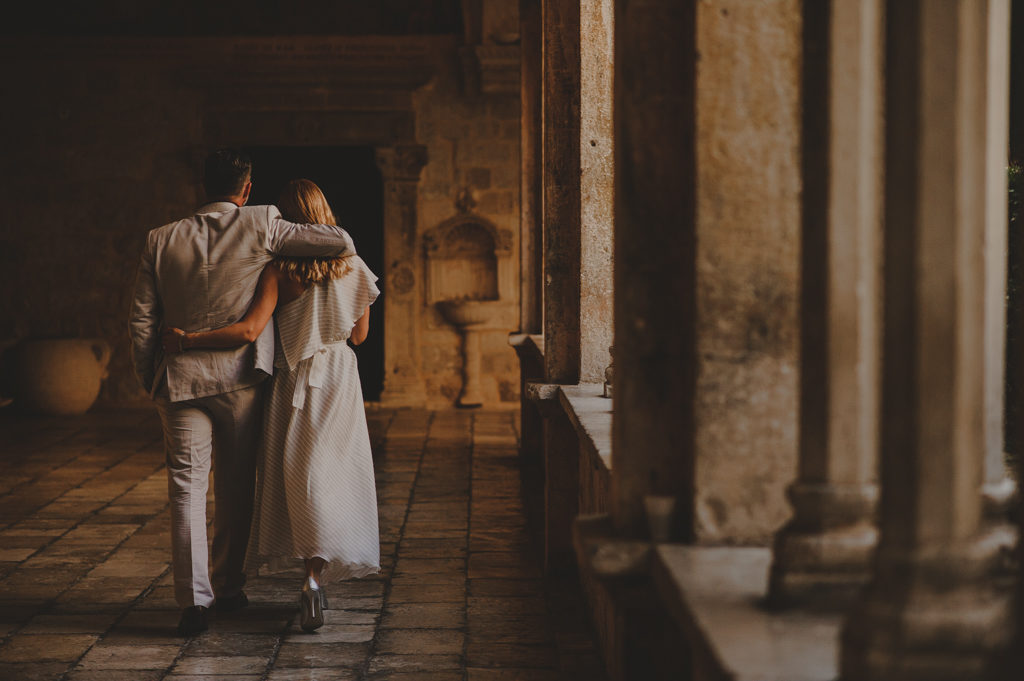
{"x": 196, "y": 274}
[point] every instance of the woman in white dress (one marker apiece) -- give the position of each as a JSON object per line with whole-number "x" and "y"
{"x": 315, "y": 497}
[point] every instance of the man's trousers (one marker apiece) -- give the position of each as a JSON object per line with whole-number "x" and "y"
{"x": 223, "y": 430}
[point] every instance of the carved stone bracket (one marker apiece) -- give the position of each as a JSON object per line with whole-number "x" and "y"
{"x": 402, "y": 163}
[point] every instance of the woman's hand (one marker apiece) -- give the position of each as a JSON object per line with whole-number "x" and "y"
{"x": 173, "y": 340}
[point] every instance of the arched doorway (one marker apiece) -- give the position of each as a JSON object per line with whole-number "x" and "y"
{"x": 351, "y": 181}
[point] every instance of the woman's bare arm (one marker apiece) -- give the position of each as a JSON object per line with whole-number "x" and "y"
{"x": 361, "y": 329}
{"x": 245, "y": 330}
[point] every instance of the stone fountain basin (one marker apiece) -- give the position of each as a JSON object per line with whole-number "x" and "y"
{"x": 470, "y": 313}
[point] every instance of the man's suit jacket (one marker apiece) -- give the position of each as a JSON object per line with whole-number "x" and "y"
{"x": 200, "y": 273}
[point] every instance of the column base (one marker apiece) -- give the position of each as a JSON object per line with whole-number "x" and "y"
{"x": 826, "y": 570}
{"x": 822, "y": 556}
{"x": 403, "y": 391}
{"x": 930, "y": 615}
{"x": 1000, "y": 499}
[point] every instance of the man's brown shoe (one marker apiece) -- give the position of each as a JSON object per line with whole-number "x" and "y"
{"x": 193, "y": 621}
{"x": 231, "y": 603}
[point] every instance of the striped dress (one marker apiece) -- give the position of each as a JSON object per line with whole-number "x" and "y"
{"x": 315, "y": 494}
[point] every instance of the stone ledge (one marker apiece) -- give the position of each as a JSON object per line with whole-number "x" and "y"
{"x": 528, "y": 346}
{"x": 715, "y": 594}
{"x": 604, "y": 555}
{"x": 544, "y": 396}
{"x": 591, "y": 415}
{"x": 588, "y": 412}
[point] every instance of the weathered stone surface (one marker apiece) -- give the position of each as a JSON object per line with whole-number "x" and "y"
{"x": 107, "y": 656}
{"x": 653, "y": 444}
{"x": 420, "y": 642}
{"x": 410, "y": 622}
{"x": 209, "y": 666}
{"x": 70, "y": 624}
{"x": 77, "y": 674}
{"x": 321, "y": 674}
{"x": 436, "y": 615}
{"x": 596, "y": 187}
{"x": 485, "y": 674}
{"x": 414, "y": 663}
{"x": 417, "y": 676}
{"x": 560, "y": 188}
{"x": 722, "y": 586}
{"x": 823, "y": 552}
{"x": 45, "y": 647}
{"x": 531, "y": 237}
{"x": 748, "y": 214}
{"x": 491, "y": 654}
{"x": 336, "y": 633}
{"x": 428, "y": 593}
{"x": 313, "y": 655}
{"x": 217, "y": 645}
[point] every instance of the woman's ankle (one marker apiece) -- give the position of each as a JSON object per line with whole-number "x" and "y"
{"x": 314, "y": 568}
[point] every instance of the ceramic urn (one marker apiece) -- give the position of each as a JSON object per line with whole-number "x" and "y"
{"x": 60, "y": 376}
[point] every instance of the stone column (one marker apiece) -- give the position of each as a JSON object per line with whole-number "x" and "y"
{"x": 597, "y": 187}
{"x": 655, "y": 266}
{"x": 825, "y": 549}
{"x": 576, "y": 232}
{"x": 577, "y": 186}
{"x": 531, "y": 237}
{"x": 561, "y": 224}
{"x": 400, "y": 169}
{"x": 531, "y": 241}
{"x": 748, "y": 266}
{"x": 561, "y": 186}
{"x": 999, "y": 486}
{"x": 932, "y": 610}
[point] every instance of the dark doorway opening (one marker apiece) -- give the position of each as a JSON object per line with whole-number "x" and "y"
{"x": 351, "y": 181}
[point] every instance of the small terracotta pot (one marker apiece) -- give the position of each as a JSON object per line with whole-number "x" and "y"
{"x": 60, "y": 376}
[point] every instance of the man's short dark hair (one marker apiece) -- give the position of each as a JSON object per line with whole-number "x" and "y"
{"x": 225, "y": 173}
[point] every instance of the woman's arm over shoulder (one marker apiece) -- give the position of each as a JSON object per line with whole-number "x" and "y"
{"x": 301, "y": 240}
{"x": 245, "y": 330}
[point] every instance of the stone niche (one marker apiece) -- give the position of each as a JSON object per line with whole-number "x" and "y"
{"x": 471, "y": 282}
{"x": 468, "y": 259}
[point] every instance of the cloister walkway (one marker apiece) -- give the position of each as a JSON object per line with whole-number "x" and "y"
{"x": 85, "y": 585}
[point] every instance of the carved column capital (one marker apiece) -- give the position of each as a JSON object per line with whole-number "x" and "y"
{"x": 402, "y": 163}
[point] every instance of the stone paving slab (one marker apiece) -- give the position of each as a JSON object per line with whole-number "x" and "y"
{"x": 86, "y": 589}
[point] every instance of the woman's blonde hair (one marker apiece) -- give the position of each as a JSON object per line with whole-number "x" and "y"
{"x": 302, "y": 201}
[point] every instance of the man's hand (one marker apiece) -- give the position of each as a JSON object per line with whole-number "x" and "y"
{"x": 173, "y": 340}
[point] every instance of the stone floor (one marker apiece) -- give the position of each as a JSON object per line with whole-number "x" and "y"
{"x": 85, "y": 580}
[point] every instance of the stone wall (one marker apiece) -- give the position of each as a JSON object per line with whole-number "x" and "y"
{"x": 748, "y": 125}
{"x": 94, "y": 156}
{"x": 473, "y": 151}
{"x": 107, "y": 139}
